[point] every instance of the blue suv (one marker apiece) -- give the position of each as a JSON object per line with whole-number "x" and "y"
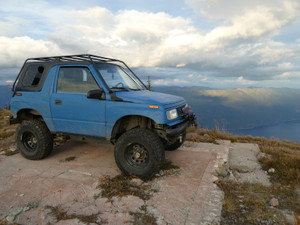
{"x": 91, "y": 98}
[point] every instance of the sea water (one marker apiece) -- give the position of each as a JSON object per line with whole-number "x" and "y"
{"x": 282, "y": 131}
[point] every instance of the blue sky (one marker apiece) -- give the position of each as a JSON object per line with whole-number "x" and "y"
{"x": 215, "y": 43}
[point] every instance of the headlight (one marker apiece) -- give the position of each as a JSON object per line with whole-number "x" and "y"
{"x": 172, "y": 114}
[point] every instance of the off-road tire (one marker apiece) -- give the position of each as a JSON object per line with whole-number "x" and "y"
{"x": 139, "y": 152}
{"x": 175, "y": 145}
{"x": 34, "y": 139}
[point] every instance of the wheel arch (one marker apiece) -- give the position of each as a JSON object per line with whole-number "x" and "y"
{"x": 129, "y": 122}
{"x": 28, "y": 114}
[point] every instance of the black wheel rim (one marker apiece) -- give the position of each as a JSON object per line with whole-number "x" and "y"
{"x": 29, "y": 141}
{"x": 137, "y": 155}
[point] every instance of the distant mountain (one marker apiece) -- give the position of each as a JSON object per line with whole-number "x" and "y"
{"x": 179, "y": 89}
{"x": 5, "y": 95}
{"x": 241, "y": 108}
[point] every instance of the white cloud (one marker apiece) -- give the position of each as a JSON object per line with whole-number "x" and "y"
{"x": 290, "y": 75}
{"x": 243, "y": 81}
{"x": 228, "y": 9}
{"x": 160, "y": 82}
{"x": 270, "y": 54}
{"x": 14, "y": 51}
{"x": 240, "y": 44}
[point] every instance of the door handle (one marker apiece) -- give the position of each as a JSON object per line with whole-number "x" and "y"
{"x": 58, "y": 102}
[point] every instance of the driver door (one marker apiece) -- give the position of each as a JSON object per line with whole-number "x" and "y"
{"x": 72, "y": 111}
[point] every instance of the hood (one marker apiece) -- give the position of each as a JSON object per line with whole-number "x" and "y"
{"x": 150, "y": 97}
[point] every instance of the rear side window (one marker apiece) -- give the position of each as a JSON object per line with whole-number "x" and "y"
{"x": 75, "y": 80}
{"x": 33, "y": 75}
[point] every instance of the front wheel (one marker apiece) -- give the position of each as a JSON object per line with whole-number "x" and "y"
{"x": 139, "y": 152}
{"x": 34, "y": 140}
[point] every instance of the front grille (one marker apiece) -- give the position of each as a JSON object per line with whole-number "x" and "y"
{"x": 179, "y": 110}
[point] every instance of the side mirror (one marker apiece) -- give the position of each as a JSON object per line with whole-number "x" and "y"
{"x": 96, "y": 94}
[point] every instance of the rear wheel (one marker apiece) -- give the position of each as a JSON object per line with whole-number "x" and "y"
{"x": 139, "y": 152}
{"x": 34, "y": 140}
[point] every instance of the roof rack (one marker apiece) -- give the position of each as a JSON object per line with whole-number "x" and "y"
{"x": 76, "y": 58}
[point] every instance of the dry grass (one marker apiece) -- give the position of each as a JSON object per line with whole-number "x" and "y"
{"x": 68, "y": 159}
{"x": 6, "y": 130}
{"x": 122, "y": 185}
{"x": 60, "y": 214}
{"x": 143, "y": 217}
{"x": 249, "y": 203}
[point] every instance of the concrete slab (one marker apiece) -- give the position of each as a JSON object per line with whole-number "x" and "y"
{"x": 244, "y": 164}
{"x": 189, "y": 197}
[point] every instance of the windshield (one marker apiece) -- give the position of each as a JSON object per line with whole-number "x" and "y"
{"x": 117, "y": 79}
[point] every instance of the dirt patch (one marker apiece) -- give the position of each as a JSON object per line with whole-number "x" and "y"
{"x": 122, "y": 185}
{"x": 60, "y": 214}
{"x": 68, "y": 159}
{"x": 143, "y": 217}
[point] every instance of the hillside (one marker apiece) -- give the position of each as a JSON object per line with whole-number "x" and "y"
{"x": 5, "y": 94}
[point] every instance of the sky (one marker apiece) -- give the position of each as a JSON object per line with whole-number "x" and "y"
{"x": 215, "y": 43}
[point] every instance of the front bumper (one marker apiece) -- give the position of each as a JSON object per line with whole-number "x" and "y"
{"x": 181, "y": 128}
{"x": 12, "y": 121}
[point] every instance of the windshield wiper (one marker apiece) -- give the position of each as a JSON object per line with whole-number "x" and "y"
{"x": 120, "y": 88}
{"x": 135, "y": 89}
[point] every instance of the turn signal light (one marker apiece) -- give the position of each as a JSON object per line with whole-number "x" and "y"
{"x": 153, "y": 106}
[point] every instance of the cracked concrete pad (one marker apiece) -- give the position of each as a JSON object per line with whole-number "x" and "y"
{"x": 180, "y": 196}
{"x": 187, "y": 197}
{"x": 243, "y": 162}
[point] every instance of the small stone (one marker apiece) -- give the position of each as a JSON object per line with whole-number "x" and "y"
{"x": 262, "y": 155}
{"x": 30, "y": 205}
{"x": 222, "y": 171}
{"x": 13, "y": 214}
{"x": 137, "y": 181}
{"x": 271, "y": 170}
{"x": 12, "y": 148}
{"x": 10, "y": 219}
{"x": 241, "y": 169}
{"x": 274, "y": 202}
{"x": 26, "y": 208}
{"x": 161, "y": 173}
{"x": 21, "y": 195}
{"x": 236, "y": 174}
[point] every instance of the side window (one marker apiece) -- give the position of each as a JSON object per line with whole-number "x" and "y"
{"x": 33, "y": 75}
{"x": 75, "y": 80}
